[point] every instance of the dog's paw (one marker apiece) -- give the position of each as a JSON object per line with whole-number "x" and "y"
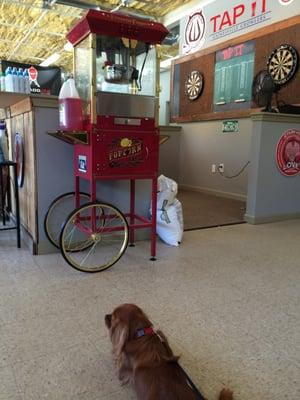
{"x": 226, "y": 394}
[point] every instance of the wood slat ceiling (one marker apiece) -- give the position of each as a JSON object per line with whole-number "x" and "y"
{"x": 32, "y": 30}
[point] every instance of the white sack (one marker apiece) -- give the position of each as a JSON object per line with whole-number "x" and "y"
{"x": 166, "y": 192}
{"x": 169, "y": 225}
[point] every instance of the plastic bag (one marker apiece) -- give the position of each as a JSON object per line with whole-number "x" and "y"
{"x": 169, "y": 225}
{"x": 167, "y": 192}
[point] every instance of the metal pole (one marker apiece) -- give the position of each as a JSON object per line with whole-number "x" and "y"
{"x": 17, "y": 205}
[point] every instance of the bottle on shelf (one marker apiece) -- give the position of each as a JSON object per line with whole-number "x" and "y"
{"x": 8, "y": 80}
{"x": 70, "y": 107}
{"x": 26, "y": 81}
{"x": 15, "y": 80}
{"x": 20, "y": 81}
{"x": 2, "y": 82}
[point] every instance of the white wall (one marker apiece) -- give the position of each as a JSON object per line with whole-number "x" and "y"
{"x": 203, "y": 144}
{"x": 164, "y": 97}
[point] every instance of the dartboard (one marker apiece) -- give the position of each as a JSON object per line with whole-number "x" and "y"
{"x": 283, "y": 63}
{"x": 194, "y": 85}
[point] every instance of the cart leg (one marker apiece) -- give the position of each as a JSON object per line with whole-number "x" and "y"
{"x": 132, "y": 211}
{"x": 77, "y": 192}
{"x": 93, "y": 189}
{"x": 153, "y": 220}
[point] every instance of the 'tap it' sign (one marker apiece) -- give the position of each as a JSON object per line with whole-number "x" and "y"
{"x": 217, "y": 22}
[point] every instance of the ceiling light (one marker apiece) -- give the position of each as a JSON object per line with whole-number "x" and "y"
{"x": 50, "y": 60}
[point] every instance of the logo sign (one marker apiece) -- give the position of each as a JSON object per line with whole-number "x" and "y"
{"x": 285, "y": 2}
{"x": 34, "y": 85}
{"x": 195, "y": 32}
{"x": 126, "y": 152}
{"x": 218, "y": 20}
{"x": 33, "y": 74}
{"x": 288, "y": 153}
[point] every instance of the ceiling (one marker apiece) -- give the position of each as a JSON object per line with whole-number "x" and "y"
{"x": 32, "y": 30}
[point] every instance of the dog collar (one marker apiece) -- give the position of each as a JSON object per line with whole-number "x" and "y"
{"x": 149, "y": 331}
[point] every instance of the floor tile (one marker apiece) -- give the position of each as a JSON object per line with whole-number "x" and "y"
{"x": 226, "y": 298}
{"x": 66, "y": 374}
{"x": 39, "y": 336}
{"x": 8, "y": 386}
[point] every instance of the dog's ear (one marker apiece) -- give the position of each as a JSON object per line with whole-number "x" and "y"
{"x": 120, "y": 337}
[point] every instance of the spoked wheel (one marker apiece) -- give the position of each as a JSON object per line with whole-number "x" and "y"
{"x": 94, "y": 237}
{"x": 58, "y": 211}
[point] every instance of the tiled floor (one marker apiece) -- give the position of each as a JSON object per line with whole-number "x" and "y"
{"x": 227, "y": 298}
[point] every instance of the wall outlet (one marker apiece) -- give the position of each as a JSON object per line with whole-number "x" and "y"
{"x": 221, "y": 167}
{"x": 213, "y": 168}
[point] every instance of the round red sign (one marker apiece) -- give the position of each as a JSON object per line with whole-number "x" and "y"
{"x": 288, "y": 153}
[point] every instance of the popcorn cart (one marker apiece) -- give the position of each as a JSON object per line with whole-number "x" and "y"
{"x": 116, "y": 70}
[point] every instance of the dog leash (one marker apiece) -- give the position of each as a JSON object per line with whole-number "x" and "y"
{"x": 192, "y": 385}
{"x": 150, "y": 331}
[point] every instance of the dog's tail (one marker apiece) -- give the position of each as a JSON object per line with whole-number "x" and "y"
{"x": 226, "y": 394}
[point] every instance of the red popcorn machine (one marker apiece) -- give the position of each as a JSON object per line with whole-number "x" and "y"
{"x": 116, "y": 71}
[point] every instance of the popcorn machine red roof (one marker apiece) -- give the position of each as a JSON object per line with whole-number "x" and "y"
{"x": 116, "y": 70}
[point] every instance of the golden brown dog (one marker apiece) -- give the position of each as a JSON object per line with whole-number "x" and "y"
{"x": 144, "y": 357}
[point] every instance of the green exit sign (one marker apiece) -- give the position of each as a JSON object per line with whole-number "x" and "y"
{"x": 230, "y": 126}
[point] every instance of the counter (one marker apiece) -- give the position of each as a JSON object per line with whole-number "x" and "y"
{"x": 273, "y": 193}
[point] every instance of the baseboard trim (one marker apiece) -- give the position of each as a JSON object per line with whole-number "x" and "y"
{"x": 45, "y": 247}
{"x": 270, "y": 218}
{"x": 219, "y": 193}
{"x": 214, "y": 226}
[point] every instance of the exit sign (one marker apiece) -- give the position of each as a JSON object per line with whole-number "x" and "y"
{"x": 230, "y": 126}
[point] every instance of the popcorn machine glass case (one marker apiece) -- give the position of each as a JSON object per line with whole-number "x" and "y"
{"x": 116, "y": 71}
{"x": 116, "y": 65}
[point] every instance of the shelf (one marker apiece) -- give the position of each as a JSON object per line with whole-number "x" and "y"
{"x": 70, "y": 137}
{"x": 10, "y": 99}
{"x": 7, "y": 99}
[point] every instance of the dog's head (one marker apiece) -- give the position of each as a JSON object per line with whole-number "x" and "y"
{"x": 123, "y": 323}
